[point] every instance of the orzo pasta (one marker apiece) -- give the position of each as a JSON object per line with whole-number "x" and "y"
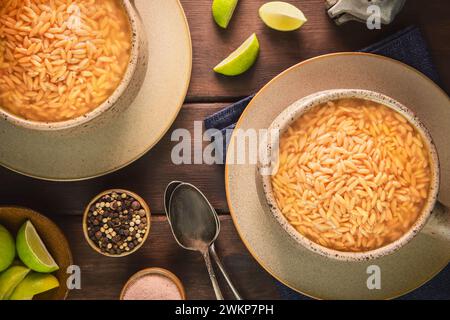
{"x": 353, "y": 175}
{"x": 60, "y": 59}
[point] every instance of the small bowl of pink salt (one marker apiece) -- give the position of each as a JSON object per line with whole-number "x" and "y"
{"x": 153, "y": 284}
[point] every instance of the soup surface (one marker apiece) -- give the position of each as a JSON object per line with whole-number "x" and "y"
{"x": 60, "y": 59}
{"x": 353, "y": 175}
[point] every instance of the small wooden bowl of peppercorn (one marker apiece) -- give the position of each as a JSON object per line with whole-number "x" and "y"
{"x": 116, "y": 222}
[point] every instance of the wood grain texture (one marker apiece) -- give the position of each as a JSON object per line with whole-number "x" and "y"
{"x": 148, "y": 177}
{"x": 103, "y": 278}
{"x": 281, "y": 50}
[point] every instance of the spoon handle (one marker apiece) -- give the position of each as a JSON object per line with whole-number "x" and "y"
{"x": 224, "y": 273}
{"x": 212, "y": 275}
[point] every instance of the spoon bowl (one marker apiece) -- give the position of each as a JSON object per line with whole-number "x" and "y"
{"x": 192, "y": 218}
{"x": 167, "y": 193}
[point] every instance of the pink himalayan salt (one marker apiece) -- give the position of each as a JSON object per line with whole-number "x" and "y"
{"x": 152, "y": 287}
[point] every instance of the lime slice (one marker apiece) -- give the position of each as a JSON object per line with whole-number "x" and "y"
{"x": 32, "y": 250}
{"x": 240, "y": 60}
{"x": 9, "y": 279}
{"x": 282, "y": 16}
{"x": 223, "y": 11}
{"x": 33, "y": 284}
{"x": 7, "y": 248}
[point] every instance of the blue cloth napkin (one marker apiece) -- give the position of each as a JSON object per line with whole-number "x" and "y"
{"x": 408, "y": 46}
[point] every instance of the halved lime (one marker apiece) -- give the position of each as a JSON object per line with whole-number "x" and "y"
{"x": 223, "y": 11}
{"x": 33, "y": 284}
{"x": 32, "y": 251}
{"x": 7, "y": 248}
{"x": 241, "y": 59}
{"x": 9, "y": 280}
{"x": 282, "y": 16}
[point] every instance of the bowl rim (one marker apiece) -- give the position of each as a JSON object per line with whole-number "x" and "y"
{"x": 154, "y": 270}
{"x": 118, "y": 191}
{"x": 298, "y": 108}
{"x": 136, "y": 34}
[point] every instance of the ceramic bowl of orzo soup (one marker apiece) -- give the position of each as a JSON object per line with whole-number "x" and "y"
{"x": 354, "y": 175}
{"x": 64, "y": 63}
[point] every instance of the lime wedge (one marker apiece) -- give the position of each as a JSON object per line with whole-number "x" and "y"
{"x": 222, "y": 11}
{"x": 240, "y": 60}
{"x": 33, "y": 284}
{"x": 9, "y": 279}
{"x": 32, "y": 250}
{"x": 282, "y": 16}
{"x": 7, "y": 248}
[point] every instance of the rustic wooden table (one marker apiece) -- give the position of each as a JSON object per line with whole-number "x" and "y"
{"x": 103, "y": 278}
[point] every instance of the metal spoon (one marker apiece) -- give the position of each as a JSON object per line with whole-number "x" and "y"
{"x": 193, "y": 225}
{"x": 212, "y": 250}
{"x": 168, "y": 193}
{"x": 192, "y": 217}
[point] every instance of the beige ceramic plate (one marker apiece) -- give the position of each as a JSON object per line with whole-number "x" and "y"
{"x": 296, "y": 267}
{"x": 101, "y": 150}
{"x": 55, "y": 241}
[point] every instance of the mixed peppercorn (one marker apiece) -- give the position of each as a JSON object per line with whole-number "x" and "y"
{"x": 117, "y": 223}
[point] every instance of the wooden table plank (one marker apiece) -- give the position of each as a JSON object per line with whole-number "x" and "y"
{"x": 148, "y": 177}
{"x": 103, "y": 278}
{"x": 281, "y": 50}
